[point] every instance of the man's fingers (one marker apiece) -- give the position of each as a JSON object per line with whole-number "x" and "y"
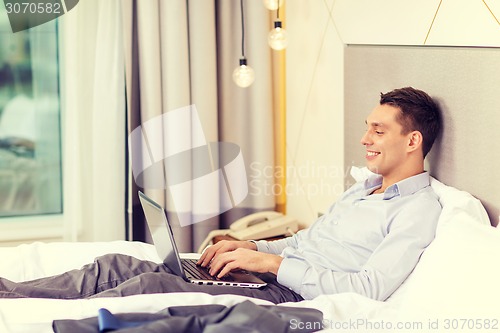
{"x": 216, "y": 250}
{"x": 222, "y": 268}
{"x": 209, "y": 254}
{"x": 203, "y": 258}
{"x": 227, "y": 262}
{"x": 227, "y": 269}
{"x": 220, "y": 262}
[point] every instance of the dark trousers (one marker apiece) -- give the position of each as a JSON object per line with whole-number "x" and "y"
{"x": 115, "y": 275}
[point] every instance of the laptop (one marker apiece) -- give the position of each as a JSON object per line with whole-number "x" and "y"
{"x": 164, "y": 242}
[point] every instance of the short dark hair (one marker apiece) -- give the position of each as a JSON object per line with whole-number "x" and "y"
{"x": 418, "y": 112}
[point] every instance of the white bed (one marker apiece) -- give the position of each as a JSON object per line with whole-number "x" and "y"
{"x": 454, "y": 285}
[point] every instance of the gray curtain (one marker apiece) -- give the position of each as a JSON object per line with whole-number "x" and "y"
{"x": 180, "y": 54}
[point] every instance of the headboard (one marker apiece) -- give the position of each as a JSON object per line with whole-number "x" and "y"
{"x": 466, "y": 83}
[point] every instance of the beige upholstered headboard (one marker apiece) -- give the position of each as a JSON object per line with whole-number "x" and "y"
{"x": 466, "y": 83}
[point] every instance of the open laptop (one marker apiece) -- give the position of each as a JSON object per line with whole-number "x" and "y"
{"x": 164, "y": 242}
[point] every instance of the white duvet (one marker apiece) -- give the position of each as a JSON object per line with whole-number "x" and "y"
{"x": 37, "y": 260}
{"x": 455, "y": 286}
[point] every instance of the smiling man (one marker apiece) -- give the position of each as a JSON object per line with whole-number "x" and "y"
{"x": 368, "y": 242}
{"x": 401, "y": 131}
{"x": 372, "y": 238}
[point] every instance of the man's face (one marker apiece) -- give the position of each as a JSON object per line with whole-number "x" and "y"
{"x": 386, "y": 147}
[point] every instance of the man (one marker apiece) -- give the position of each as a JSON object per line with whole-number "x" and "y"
{"x": 372, "y": 238}
{"x": 368, "y": 242}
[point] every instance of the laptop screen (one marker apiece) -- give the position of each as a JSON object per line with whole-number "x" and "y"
{"x": 161, "y": 233}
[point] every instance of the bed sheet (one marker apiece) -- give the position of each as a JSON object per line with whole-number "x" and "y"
{"x": 35, "y": 260}
{"x": 455, "y": 283}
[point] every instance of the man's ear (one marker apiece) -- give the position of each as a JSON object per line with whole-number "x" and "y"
{"x": 416, "y": 140}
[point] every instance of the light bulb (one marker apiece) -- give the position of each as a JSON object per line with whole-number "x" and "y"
{"x": 243, "y": 75}
{"x": 273, "y": 4}
{"x": 277, "y": 37}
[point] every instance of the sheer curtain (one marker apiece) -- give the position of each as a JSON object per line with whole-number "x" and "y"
{"x": 93, "y": 121}
{"x": 182, "y": 53}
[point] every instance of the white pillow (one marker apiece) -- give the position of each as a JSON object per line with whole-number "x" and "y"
{"x": 457, "y": 276}
{"x": 456, "y": 204}
{"x": 452, "y": 200}
{"x": 455, "y": 201}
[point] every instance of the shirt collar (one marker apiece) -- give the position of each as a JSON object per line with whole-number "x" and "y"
{"x": 402, "y": 188}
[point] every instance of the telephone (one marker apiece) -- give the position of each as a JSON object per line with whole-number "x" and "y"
{"x": 256, "y": 226}
{"x": 263, "y": 225}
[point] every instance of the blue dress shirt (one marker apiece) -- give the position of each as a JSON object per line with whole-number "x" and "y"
{"x": 366, "y": 243}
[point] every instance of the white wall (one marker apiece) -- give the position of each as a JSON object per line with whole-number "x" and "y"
{"x": 318, "y": 31}
{"x": 315, "y": 130}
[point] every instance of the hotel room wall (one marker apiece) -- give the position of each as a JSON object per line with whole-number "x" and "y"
{"x": 315, "y": 126}
{"x": 469, "y": 101}
{"x": 319, "y": 31}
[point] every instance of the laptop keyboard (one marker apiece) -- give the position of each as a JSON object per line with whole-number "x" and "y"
{"x": 196, "y": 271}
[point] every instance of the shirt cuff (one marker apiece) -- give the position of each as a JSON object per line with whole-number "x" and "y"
{"x": 291, "y": 273}
{"x": 261, "y": 246}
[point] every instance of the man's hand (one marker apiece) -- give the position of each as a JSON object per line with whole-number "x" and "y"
{"x": 226, "y": 256}
{"x": 246, "y": 259}
{"x": 222, "y": 247}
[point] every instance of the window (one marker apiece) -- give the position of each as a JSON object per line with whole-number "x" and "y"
{"x": 30, "y": 133}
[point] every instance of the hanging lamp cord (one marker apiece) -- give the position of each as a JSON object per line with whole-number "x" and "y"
{"x": 242, "y": 31}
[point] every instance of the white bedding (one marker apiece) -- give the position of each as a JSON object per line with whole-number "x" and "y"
{"x": 454, "y": 286}
{"x": 36, "y": 260}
